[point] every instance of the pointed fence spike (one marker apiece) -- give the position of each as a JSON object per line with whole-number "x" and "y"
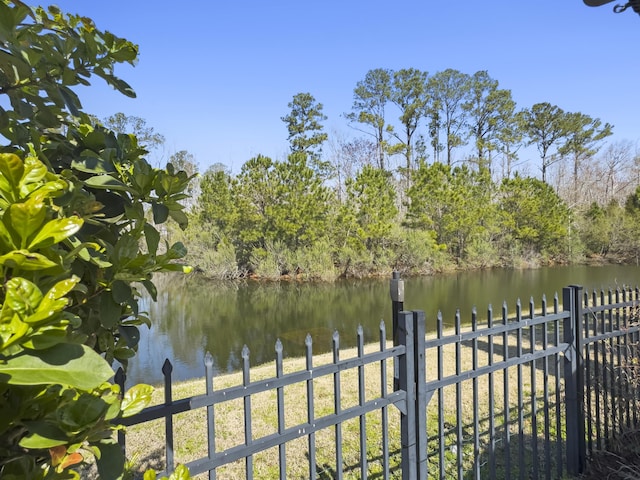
{"x": 208, "y": 359}
{"x": 167, "y": 368}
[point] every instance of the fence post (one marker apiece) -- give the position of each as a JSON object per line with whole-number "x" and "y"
{"x": 574, "y": 380}
{"x": 407, "y": 383}
{"x": 396, "y": 289}
{"x": 419, "y": 333}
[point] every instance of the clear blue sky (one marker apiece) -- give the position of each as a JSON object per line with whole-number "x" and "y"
{"x": 215, "y": 77}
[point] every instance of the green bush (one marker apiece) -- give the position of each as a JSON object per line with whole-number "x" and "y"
{"x": 75, "y": 246}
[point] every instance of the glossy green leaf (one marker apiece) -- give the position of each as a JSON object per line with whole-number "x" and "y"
{"x": 150, "y": 475}
{"x": 6, "y": 242}
{"x": 181, "y": 473}
{"x": 25, "y": 260}
{"x": 136, "y": 399}
{"x": 77, "y": 366}
{"x": 22, "y": 296}
{"x": 46, "y": 338}
{"x": 25, "y": 218}
{"x": 55, "y": 231}
{"x": 36, "y": 171}
{"x": 106, "y": 182}
{"x": 11, "y": 168}
{"x": 43, "y": 435}
{"x": 89, "y": 162}
{"x": 83, "y": 411}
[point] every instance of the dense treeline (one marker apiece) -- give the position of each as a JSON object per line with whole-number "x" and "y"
{"x": 440, "y": 186}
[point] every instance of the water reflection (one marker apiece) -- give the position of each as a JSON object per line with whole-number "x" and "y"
{"x": 193, "y": 316}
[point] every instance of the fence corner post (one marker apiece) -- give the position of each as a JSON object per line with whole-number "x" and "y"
{"x": 574, "y": 380}
{"x": 396, "y": 289}
{"x": 406, "y": 382}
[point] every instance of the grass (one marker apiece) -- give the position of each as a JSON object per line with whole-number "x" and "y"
{"x": 470, "y": 427}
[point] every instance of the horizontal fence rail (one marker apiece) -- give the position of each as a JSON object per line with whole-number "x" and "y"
{"x": 526, "y": 393}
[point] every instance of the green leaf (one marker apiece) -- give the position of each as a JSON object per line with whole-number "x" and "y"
{"x": 83, "y": 411}
{"x": 55, "y": 231}
{"x": 121, "y": 86}
{"x": 160, "y": 212}
{"x": 110, "y": 311}
{"x": 12, "y": 168}
{"x": 25, "y": 218}
{"x": 89, "y": 162}
{"x": 25, "y": 260}
{"x": 107, "y": 182}
{"x": 181, "y": 473}
{"x": 71, "y": 100}
{"x": 23, "y": 296}
{"x": 110, "y": 463}
{"x": 150, "y": 475}
{"x": 120, "y": 291}
{"x": 152, "y": 237}
{"x": 151, "y": 289}
{"x": 43, "y": 435}
{"x": 46, "y": 338}
{"x": 77, "y": 366}
{"x": 180, "y": 217}
{"x": 136, "y": 399}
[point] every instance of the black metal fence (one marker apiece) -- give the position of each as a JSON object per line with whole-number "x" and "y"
{"x": 523, "y": 395}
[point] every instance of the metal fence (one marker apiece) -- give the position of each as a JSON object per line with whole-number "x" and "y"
{"x": 529, "y": 394}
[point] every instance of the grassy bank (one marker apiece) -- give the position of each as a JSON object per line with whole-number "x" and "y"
{"x": 145, "y": 442}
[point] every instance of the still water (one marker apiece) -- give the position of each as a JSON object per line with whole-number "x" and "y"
{"x": 193, "y": 316}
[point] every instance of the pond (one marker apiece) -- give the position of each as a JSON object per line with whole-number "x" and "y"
{"x": 194, "y": 315}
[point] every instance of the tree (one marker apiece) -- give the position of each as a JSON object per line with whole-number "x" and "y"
{"x": 297, "y": 213}
{"x": 447, "y": 90}
{"x": 544, "y": 126}
{"x": 217, "y": 207}
{"x": 534, "y": 215}
{"x": 186, "y": 162}
{"x": 305, "y": 129}
{"x": 455, "y": 203}
{"x": 372, "y": 198}
{"x": 581, "y": 138}
{"x": 489, "y": 109}
{"x": 146, "y": 135}
{"x": 73, "y": 240}
{"x": 408, "y": 93}
{"x": 509, "y": 139}
{"x": 370, "y": 98}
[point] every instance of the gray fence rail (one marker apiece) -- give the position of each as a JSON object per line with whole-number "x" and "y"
{"x": 524, "y": 395}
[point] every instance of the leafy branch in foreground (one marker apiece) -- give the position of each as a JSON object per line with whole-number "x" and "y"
{"x": 76, "y": 244}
